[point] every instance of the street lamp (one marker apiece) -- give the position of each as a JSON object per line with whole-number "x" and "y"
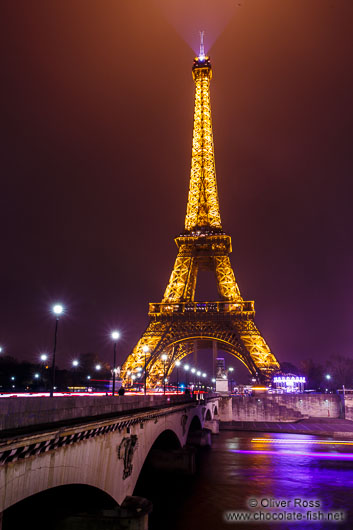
{"x": 75, "y": 364}
{"x": 231, "y": 369}
{"x": 57, "y": 309}
{"x": 198, "y": 373}
{"x": 177, "y": 364}
{"x": 328, "y": 376}
{"x": 98, "y": 367}
{"x": 164, "y": 359}
{"x": 193, "y": 371}
{"x": 115, "y": 336}
{"x": 44, "y": 358}
{"x": 145, "y": 350}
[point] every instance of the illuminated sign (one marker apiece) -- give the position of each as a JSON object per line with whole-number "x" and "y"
{"x": 289, "y": 381}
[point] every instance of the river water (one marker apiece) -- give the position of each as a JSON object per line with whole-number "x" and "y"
{"x": 292, "y": 469}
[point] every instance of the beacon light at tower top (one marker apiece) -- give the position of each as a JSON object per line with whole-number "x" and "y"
{"x": 202, "y": 55}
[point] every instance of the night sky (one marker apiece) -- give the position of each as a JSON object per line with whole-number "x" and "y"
{"x": 96, "y": 119}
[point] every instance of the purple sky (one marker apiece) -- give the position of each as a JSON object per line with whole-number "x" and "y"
{"x": 97, "y": 103}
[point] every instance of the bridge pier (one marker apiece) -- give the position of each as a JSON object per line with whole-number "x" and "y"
{"x": 200, "y": 438}
{"x": 212, "y": 425}
{"x": 175, "y": 461}
{"x": 131, "y": 515}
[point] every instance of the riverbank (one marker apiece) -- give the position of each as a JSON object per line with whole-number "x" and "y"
{"x": 334, "y": 427}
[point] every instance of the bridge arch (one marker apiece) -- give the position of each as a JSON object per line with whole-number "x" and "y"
{"x": 39, "y": 510}
{"x": 183, "y": 346}
{"x": 195, "y": 425}
{"x": 226, "y": 345}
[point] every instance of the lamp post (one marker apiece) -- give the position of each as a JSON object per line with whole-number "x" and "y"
{"x": 36, "y": 378}
{"x": 75, "y": 364}
{"x": 193, "y": 371}
{"x": 57, "y": 310}
{"x": 198, "y": 373}
{"x": 231, "y": 369}
{"x": 164, "y": 359}
{"x": 177, "y": 364}
{"x": 187, "y": 368}
{"x": 43, "y": 358}
{"x": 115, "y": 336}
{"x": 145, "y": 350}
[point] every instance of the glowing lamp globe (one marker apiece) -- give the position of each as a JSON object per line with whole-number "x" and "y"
{"x": 115, "y": 335}
{"x": 58, "y": 309}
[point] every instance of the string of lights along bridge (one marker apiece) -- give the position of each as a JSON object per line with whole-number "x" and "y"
{"x": 179, "y": 325}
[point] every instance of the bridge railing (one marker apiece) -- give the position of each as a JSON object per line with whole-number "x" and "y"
{"x": 23, "y": 413}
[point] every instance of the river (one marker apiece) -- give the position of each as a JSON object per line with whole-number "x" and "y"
{"x": 276, "y": 468}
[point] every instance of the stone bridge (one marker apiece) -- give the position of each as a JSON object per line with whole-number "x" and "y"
{"x": 97, "y": 441}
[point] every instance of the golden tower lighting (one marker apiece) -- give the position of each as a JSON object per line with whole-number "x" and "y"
{"x": 179, "y": 323}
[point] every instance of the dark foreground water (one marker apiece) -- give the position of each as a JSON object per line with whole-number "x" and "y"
{"x": 294, "y": 469}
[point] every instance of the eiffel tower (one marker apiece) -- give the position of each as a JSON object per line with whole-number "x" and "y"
{"x": 179, "y": 324}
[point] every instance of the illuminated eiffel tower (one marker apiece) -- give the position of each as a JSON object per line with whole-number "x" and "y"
{"x": 179, "y": 324}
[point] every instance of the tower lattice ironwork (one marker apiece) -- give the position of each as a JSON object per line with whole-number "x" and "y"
{"x": 179, "y": 322}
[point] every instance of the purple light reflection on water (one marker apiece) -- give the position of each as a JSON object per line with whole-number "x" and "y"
{"x": 331, "y": 456}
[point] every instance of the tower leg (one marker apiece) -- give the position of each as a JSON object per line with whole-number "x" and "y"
{"x": 214, "y": 358}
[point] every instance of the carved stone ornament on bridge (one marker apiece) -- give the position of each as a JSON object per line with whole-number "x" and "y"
{"x": 126, "y": 451}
